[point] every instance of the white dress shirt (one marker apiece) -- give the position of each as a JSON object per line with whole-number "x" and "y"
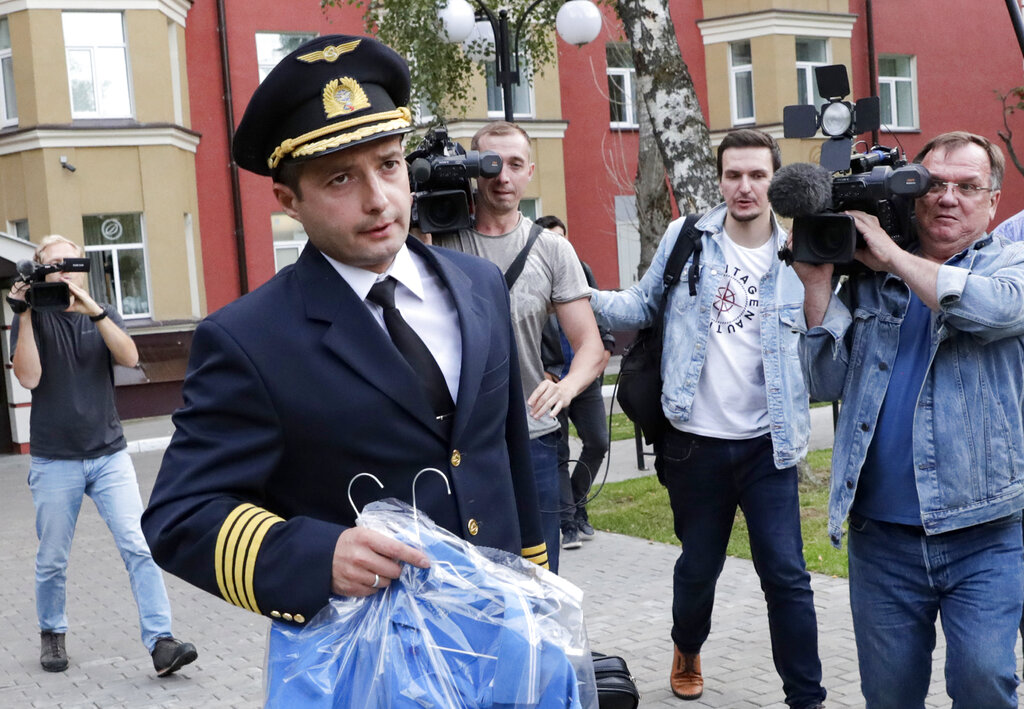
{"x": 425, "y": 304}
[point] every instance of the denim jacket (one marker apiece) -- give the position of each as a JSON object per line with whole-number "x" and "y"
{"x": 968, "y": 434}
{"x": 688, "y": 322}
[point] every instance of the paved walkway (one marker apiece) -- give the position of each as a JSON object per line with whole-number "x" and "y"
{"x": 627, "y": 583}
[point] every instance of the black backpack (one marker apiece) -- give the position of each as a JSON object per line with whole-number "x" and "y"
{"x": 639, "y": 385}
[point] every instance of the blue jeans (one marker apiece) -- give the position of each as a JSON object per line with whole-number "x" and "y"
{"x": 707, "y": 478}
{"x": 57, "y": 489}
{"x": 900, "y": 579}
{"x": 586, "y": 411}
{"x": 544, "y": 455}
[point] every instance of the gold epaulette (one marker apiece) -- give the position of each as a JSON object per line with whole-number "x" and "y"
{"x": 537, "y": 554}
{"x": 238, "y": 543}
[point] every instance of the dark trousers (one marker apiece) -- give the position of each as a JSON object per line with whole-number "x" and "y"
{"x": 707, "y": 479}
{"x": 586, "y": 412}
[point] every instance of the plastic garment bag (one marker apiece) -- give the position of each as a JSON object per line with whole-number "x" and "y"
{"x": 479, "y": 628}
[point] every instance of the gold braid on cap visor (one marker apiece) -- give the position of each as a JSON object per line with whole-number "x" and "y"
{"x": 302, "y": 147}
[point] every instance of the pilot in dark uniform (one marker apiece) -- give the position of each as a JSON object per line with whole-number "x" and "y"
{"x": 372, "y": 354}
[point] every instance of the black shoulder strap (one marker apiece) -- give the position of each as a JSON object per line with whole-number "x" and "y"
{"x": 687, "y": 243}
{"x": 516, "y": 267}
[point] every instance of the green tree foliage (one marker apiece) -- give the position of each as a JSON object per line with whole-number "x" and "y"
{"x": 441, "y": 71}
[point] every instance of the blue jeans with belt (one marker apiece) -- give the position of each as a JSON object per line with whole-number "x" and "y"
{"x": 707, "y": 479}
{"x": 57, "y": 490}
{"x": 901, "y": 579}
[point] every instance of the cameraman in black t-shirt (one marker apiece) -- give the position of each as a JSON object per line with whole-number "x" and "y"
{"x": 66, "y": 359}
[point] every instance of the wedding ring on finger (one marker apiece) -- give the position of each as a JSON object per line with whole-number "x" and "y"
{"x": 376, "y": 581}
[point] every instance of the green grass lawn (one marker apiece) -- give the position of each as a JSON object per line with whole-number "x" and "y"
{"x": 640, "y": 508}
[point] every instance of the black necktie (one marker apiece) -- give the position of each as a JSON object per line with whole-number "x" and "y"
{"x": 412, "y": 348}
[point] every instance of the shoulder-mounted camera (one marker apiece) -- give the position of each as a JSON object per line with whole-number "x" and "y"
{"x": 878, "y": 182}
{"x": 439, "y": 174}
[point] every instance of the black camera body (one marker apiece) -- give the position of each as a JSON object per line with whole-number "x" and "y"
{"x": 43, "y": 296}
{"x": 439, "y": 175}
{"x": 880, "y": 183}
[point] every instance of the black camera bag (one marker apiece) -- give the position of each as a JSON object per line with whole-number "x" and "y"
{"x": 615, "y": 686}
{"x": 639, "y": 386}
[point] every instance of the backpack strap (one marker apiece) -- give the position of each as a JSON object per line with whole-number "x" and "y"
{"x": 688, "y": 243}
{"x": 516, "y": 267}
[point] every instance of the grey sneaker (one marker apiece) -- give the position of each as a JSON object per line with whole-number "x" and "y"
{"x": 53, "y": 657}
{"x": 586, "y": 532}
{"x": 170, "y": 655}
{"x": 571, "y": 538}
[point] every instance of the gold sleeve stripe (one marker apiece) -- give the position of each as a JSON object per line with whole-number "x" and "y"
{"x": 219, "y": 559}
{"x": 231, "y": 547}
{"x": 238, "y": 544}
{"x": 260, "y": 531}
{"x": 541, "y": 548}
{"x": 537, "y": 554}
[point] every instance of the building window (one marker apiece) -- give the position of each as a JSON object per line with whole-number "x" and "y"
{"x": 810, "y": 52}
{"x": 530, "y": 208}
{"x": 97, "y": 58}
{"x": 272, "y": 47}
{"x": 522, "y": 94}
{"x": 19, "y": 227}
{"x": 8, "y": 105}
{"x": 289, "y": 240}
{"x": 897, "y": 89}
{"x": 627, "y": 238}
{"x": 621, "y": 85}
{"x": 741, "y": 85}
{"x": 116, "y": 249}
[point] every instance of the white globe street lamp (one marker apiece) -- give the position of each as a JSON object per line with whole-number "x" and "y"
{"x": 578, "y": 22}
{"x": 457, "y": 20}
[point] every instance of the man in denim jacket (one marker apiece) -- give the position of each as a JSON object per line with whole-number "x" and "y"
{"x": 735, "y": 396}
{"x": 929, "y": 449}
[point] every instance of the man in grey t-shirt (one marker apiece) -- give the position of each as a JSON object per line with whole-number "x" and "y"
{"x": 66, "y": 359}
{"x": 551, "y": 281}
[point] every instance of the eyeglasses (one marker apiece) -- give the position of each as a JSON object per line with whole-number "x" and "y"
{"x": 967, "y": 189}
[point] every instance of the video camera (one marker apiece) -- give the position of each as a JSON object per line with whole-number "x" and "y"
{"x": 439, "y": 174}
{"x": 41, "y": 295}
{"x": 879, "y": 181}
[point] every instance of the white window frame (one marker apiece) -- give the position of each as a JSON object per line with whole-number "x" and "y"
{"x": 264, "y": 64}
{"x": 530, "y": 207}
{"x": 114, "y": 249}
{"x": 5, "y": 90}
{"x": 523, "y": 89}
{"x": 100, "y": 111}
{"x": 887, "y": 85}
{"x": 807, "y": 69}
{"x": 628, "y": 98}
{"x": 629, "y": 110}
{"x": 18, "y": 228}
{"x": 736, "y": 71}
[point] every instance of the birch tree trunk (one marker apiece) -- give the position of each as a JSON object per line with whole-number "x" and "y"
{"x": 665, "y": 87}
{"x": 653, "y": 205}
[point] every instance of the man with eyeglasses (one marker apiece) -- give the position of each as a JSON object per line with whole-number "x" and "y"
{"x": 928, "y": 462}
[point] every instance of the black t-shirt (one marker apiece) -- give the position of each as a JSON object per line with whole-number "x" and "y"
{"x": 73, "y": 410}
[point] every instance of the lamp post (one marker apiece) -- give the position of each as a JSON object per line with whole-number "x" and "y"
{"x": 578, "y": 22}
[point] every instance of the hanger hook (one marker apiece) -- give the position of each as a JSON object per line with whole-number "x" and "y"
{"x": 415, "y": 509}
{"x": 379, "y": 484}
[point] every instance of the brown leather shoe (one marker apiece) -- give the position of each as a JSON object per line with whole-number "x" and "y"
{"x": 686, "y": 680}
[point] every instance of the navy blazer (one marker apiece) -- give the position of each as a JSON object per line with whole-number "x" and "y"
{"x": 294, "y": 390}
